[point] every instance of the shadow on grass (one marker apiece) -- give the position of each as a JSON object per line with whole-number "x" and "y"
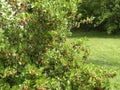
{"x": 105, "y": 64}
{"x": 93, "y": 34}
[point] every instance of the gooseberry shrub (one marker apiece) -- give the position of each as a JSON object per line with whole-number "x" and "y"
{"x": 34, "y": 53}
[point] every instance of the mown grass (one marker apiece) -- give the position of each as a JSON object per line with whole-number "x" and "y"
{"x": 104, "y": 51}
{"x": 104, "y": 48}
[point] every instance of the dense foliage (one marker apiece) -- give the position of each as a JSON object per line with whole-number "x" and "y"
{"x": 106, "y": 13}
{"x": 34, "y": 54}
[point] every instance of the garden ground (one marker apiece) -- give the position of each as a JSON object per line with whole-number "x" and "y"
{"x": 104, "y": 48}
{"x": 104, "y": 51}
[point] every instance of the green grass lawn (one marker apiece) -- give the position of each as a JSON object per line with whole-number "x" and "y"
{"x": 104, "y": 51}
{"x": 104, "y": 48}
